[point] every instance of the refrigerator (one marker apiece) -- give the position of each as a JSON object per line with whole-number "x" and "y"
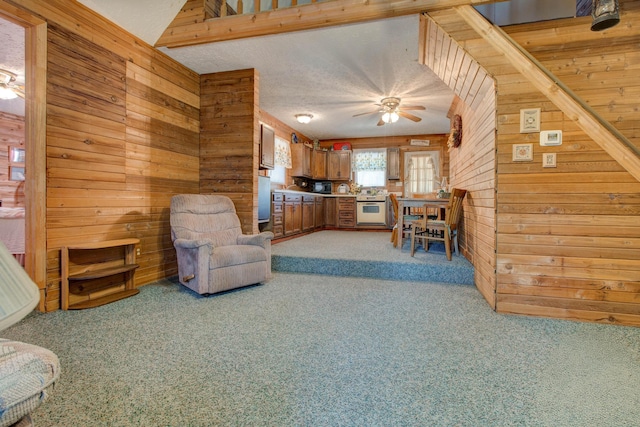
{"x": 264, "y": 199}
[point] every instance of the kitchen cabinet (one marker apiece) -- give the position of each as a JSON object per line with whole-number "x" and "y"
{"x": 393, "y": 163}
{"x": 319, "y": 212}
{"x": 277, "y": 215}
{"x": 267, "y": 147}
{"x": 301, "y": 160}
{"x": 339, "y": 165}
{"x": 308, "y": 217}
{"x": 330, "y": 212}
{"x": 319, "y": 164}
{"x": 292, "y": 216}
{"x": 346, "y": 212}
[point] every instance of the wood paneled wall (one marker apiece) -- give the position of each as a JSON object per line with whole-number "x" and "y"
{"x": 230, "y": 140}
{"x": 122, "y": 138}
{"x": 11, "y": 135}
{"x": 473, "y": 163}
{"x": 568, "y": 238}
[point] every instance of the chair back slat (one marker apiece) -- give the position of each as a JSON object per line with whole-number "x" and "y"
{"x": 454, "y": 208}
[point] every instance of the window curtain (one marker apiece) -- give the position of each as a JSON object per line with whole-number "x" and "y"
{"x": 420, "y": 174}
{"x": 369, "y": 161}
{"x": 282, "y": 153}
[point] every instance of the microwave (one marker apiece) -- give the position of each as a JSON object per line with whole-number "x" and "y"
{"x": 322, "y": 187}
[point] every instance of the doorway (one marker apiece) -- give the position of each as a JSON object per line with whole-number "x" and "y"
{"x": 35, "y": 36}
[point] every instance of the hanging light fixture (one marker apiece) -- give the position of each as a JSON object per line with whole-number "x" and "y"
{"x": 304, "y": 118}
{"x": 605, "y": 14}
{"x": 6, "y": 90}
{"x": 390, "y": 116}
{"x": 390, "y": 106}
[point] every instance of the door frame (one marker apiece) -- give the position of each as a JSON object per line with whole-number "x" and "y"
{"x": 35, "y": 143}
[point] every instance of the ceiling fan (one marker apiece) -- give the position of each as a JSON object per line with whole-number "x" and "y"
{"x": 8, "y": 88}
{"x": 392, "y": 111}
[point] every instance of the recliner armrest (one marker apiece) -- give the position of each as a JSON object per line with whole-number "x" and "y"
{"x": 260, "y": 239}
{"x": 191, "y": 244}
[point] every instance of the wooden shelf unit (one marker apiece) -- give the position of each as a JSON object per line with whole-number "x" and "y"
{"x": 99, "y": 268}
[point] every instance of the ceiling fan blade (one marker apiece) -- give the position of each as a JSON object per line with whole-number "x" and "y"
{"x": 368, "y": 112}
{"x": 409, "y": 116}
{"x": 19, "y": 90}
{"x": 381, "y": 122}
{"x": 412, "y": 107}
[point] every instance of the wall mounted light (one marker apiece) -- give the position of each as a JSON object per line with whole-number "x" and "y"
{"x": 304, "y": 118}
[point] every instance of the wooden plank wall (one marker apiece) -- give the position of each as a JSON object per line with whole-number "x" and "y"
{"x": 473, "y": 163}
{"x": 230, "y": 140}
{"x": 11, "y": 135}
{"x": 122, "y": 138}
{"x": 568, "y": 238}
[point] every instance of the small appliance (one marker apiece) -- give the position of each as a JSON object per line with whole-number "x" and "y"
{"x": 322, "y": 187}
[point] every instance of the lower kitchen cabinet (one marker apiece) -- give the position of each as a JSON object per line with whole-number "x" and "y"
{"x": 308, "y": 215}
{"x": 277, "y": 215}
{"x": 292, "y": 214}
{"x": 330, "y": 212}
{"x": 346, "y": 212}
{"x": 319, "y": 212}
{"x": 296, "y": 213}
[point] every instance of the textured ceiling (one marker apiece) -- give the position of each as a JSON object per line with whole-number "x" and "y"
{"x": 12, "y": 59}
{"x": 332, "y": 73}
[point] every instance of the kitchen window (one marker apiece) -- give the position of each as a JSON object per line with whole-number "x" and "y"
{"x": 282, "y": 160}
{"x": 370, "y": 166}
{"x": 421, "y": 172}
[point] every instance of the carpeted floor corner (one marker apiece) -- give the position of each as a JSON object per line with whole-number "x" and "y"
{"x": 312, "y": 350}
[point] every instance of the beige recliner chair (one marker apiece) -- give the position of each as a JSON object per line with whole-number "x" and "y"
{"x": 213, "y": 254}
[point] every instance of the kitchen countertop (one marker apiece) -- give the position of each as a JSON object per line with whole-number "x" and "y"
{"x": 283, "y": 190}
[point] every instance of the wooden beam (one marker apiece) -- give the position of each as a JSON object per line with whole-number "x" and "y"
{"x": 601, "y": 131}
{"x": 304, "y": 17}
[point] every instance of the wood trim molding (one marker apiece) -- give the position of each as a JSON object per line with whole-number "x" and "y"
{"x": 200, "y": 30}
{"x": 601, "y": 131}
{"x": 35, "y": 144}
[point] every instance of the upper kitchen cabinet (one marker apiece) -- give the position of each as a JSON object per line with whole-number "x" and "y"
{"x": 267, "y": 147}
{"x": 301, "y": 160}
{"x": 319, "y": 164}
{"x": 339, "y": 165}
{"x": 393, "y": 163}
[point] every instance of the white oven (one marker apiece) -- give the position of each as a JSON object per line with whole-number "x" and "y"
{"x": 371, "y": 210}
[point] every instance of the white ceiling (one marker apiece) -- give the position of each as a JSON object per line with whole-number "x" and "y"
{"x": 12, "y": 59}
{"x": 332, "y": 73}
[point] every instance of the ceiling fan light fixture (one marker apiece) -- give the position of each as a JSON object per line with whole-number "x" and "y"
{"x": 304, "y": 118}
{"x": 6, "y": 78}
{"x": 390, "y": 117}
{"x": 7, "y": 93}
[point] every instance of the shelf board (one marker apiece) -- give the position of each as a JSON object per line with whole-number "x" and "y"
{"x": 116, "y": 296}
{"x": 103, "y": 272}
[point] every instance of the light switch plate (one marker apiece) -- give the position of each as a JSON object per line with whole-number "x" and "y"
{"x": 549, "y": 160}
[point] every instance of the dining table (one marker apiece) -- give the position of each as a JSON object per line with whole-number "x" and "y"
{"x": 406, "y": 203}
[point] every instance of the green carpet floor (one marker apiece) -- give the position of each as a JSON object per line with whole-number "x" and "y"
{"x": 312, "y": 350}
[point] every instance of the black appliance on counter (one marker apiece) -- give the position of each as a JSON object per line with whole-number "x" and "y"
{"x": 321, "y": 187}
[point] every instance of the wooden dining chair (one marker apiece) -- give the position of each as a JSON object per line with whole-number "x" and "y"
{"x": 446, "y": 230}
{"x": 407, "y": 221}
